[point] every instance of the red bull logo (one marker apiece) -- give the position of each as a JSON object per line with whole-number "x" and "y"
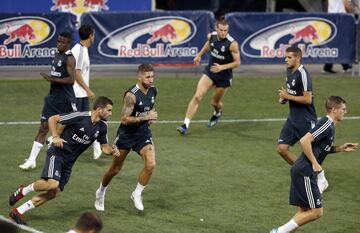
{"x": 19, "y": 34}
{"x": 155, "y": 37}
{"x": 307, "y": 33}
{"x": 78, "y": 7}
{"x": 24, "y": 33}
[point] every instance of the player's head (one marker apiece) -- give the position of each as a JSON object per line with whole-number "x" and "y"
{"x": 336, "y": 106}
{"x": 146, "y": 75}
{"x": 87, "y": 32}
{"x": 222, "y": 27}
{"x": 89, "y": 222}
{"x": 293, "y": 57}
{"x": 64, "y": 41}
{"x": 104, "y": 106}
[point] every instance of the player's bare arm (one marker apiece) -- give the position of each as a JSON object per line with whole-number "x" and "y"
{"x": 79, "y": 79}
{"x": 346, "y": 147}
{"x": 70, "y": 66}
{"x": 305, "y": 143}
{"x": 129, "y": 103}
{"x": 53, "y": 121}
{"x": 203, "y": 50}
{"x": 234, "y": 49}
{"x": 306, "y": 98}
{"x": 110, "y": 150}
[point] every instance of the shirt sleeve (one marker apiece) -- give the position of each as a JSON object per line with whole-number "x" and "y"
{"x": 78, "y": 53}
{"x": 72, "y": 118}
{"x": 103, "y": 138}
{"x": 321, "y": 129}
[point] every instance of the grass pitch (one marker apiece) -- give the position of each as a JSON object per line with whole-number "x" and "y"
{"x": 225, "y": 179}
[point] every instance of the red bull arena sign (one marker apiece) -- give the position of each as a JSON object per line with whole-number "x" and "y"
{"x": 306, "y": 33}
{"x": 19, "y": 35}
{"x": 157, "y": 37}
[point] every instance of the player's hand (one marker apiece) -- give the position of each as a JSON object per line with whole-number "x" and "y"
{"x": 317, "y": 168}
{"x": 115, "y": 151}
{"x": 91, "y": 94}
{"x": 45, "y": 76}
{"x": 197, "y": 60}
{"x": 152, "y": 115}
{"x": 216, "y": 68}
{"x": 59, "y": 142}
{"x": 282, "y": 93}
{"x": 348, "y": 147}
{"x": 282, "y": 101}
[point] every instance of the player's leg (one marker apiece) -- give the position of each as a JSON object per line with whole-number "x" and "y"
{"x": 203, "y": 86}
{"x": 30, "y": 163}
{"x": 286, "y": 154}
{"x": 148, "y": 155}
{"x": 217, "y": 104}
{"x": 112, "y": 171}
{"x": 286, "y": 139}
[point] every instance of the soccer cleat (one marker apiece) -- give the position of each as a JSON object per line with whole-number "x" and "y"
{"x": 17, "y": 217}
{"x": 49, "y": 141}
{"x": 99, "y": 201}
{"x": 274, "y": 230}
{"x": 214, "y": 119}
{"x": 137, "y": 201}
{"x": 15, "y": 196}
{"x": 323, "y": 185}
{"x": 182, "y": 129}
{"x": 97, "y": 150}
{"x": 28, "y": 165}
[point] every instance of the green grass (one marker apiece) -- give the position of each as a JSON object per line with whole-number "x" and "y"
{"x": 230, "y": 176}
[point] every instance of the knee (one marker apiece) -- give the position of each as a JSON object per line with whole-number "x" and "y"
{"x": 318, "y": 213}
{"x": 197, "y": 98}
{"x": 282, "y": 150}
{"x": 115, "y": 169}
{"x": 53, "y": 193}
{"x": 150, "y": 166}
{"x": 52, "y": 184}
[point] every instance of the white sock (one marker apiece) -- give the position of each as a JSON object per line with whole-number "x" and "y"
{"x": 288, "y": 227}
{"x": 28, "y": 189}
{"x": 139, "y": 188}
{"x": 35, "y": 150}
{"x": 96, "y": 144}
{"x": 217, "y": 113}
{"x": 187, "y": 122}
{"x": 321, "y": 176}
{"x": 102, "y": 188}
{"x": 25, "y": 207}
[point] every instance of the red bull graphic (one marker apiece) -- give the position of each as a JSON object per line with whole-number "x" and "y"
{"x": 79, "y": 7}
{"x": 156, "y": 37}
{"x": 18, "y": 35}
{"x": 24, "y": 33}
{"x": 307, "y": 33}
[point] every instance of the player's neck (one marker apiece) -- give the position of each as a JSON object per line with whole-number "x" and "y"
{"x": 95, "y": 117}
{"x": 85, "y": 43}
{"x": 142, "y": 88}
{"x": 295, "y": 68}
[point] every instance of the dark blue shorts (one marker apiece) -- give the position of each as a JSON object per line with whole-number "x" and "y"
{"x": 56, "y": 168}
{"x": 304, "y": 191}
{"x": 134, "y": 142}
{"x": 82, "y": 104}
{"x": 53, "y": 108}
{"x": 221, "y": 79}
{"x": 292, "y": 132}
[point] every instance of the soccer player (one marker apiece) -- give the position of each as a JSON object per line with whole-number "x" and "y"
{"x": 61, "y": 97}
{"x": 88, "y": 223}
{"x": 81, "y": 129}
{"x": 316, "y": 145}
{"x": 137, "y": 114}
{"x": 224, "y": 56}
{"x": 302, "y": 116}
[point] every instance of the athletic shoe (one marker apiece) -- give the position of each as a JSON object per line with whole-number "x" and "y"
{"x": 97, "y": 150}
{"x": 15, "y": 196}
{"x": 137, "y": 201}
{"x": 328, "y": 72}
{"x": 99, "y": 201}
{"x": 17, "y": 217}
{"x": 49, "y": 141}
{"x": 214, "y": 119}
{"x": 28, "y": 165}
{"x": 274, "y": 230}
{"x": 182, "y": 129}
{"x": 323, "y": 185}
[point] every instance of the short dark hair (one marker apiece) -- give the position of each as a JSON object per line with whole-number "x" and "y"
{"x": 294, "y": 50}
{"x": 66, "y": 35}
{"x": 333, "y": 102}
{"x": 145, "y": 68}
{"x": 85, "y": 31}
{"x": 102, "y": 102}
{"x": 221, "y": 20}
{"x": 89, "y": 221}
